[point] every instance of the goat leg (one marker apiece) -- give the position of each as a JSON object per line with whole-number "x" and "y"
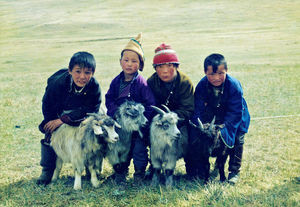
{"x": 221, "y": 163}
{"x": 156, "y": 177}
{"x": 58, "y": 167}
{"x": 94, "y": 180}
{"x": 169, "y": 177}
{"x": 77, "y": 183}
{"x": 206, "y": 171}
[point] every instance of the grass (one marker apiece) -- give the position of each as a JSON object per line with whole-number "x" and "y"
{"x": 260, "y": 40}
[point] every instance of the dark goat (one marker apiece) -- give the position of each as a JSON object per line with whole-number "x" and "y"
{"x": 209, "y": 144}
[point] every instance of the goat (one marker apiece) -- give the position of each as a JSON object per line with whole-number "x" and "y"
{"x": 211, "y": 146}
{"x": 85, "y": 145}
{"x": 167, "y": 145}
{"x": 130, "y": 116}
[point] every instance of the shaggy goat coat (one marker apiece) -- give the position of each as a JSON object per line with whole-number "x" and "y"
{"x": 130, "y": 116}
{"x": 82, "y": 146}
{"x": 167, "y": 144}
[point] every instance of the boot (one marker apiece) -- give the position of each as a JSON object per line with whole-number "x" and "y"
{"x": 149, "y": 173}
{"x": 139, "y": 176}
{"x": 48, "y": 159}
{"x": 121, "y": 171}
{"x": 235, "y": 163}
{"x": 45, "y": 177}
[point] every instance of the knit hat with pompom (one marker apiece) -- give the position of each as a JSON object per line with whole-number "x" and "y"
{"x": 135, "y": 45}
{"x": 164, "y": 54}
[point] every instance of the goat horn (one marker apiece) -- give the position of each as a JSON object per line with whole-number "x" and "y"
{"x": 117, "y": 125}
{"x": 200, "y": 124}
{"x": 158, "y": 110}
{"x": 212, "y": 123}
{"x": 191, "y": 123}
{"x": 167, "y": 109}
{"x": 91, "y": 114}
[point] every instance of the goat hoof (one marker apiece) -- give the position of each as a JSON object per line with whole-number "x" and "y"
{"x": 154, "y": 182}
{"x": 77, "y": 187}
{"x": 95, "y": 184}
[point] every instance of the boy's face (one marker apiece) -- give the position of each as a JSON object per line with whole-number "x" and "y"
{"x": 81, "y": 76}
{"x": 166, "y": 72}
{"x": 217, "y": 78}
{"x": 130, "y": 62}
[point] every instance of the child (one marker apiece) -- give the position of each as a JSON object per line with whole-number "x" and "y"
{"x": 219, "y": 94}
{"x": 129, "y": 85}
{"x": 171, "y": 87}
{"x": 70, "y": 94}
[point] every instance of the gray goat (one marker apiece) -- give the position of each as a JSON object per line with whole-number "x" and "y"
{"x": 130, "y": 116}
{"x": 85, "y": 145}
{"x": 209, "y": 144}
{"x": 167, "y": 145}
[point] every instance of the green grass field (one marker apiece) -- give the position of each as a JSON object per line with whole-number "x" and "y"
{"x": 260, "y": 40}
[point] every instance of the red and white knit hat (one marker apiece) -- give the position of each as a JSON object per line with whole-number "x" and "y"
{"x": 164, "y": 54}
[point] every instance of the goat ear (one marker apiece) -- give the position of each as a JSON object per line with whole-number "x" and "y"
{"x": 220, "y": 126}
{"x": 140, "y": 133}
{"x": 97, "y": 130}
{"x": 84, "y": 122}
{"x": 180, "y": 119}
{"x": 159, "y": 123}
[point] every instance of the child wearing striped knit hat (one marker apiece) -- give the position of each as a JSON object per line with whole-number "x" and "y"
{"x": 172, "y": 88}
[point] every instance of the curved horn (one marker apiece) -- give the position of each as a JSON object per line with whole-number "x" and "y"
{"x": 158, "y": 110}
{"x": 212, "y": 124}
{"x": 167, "y": 109}
{"x": 92, "y": 114}
{"x": 191, "y": 123}
{"x": 117, "y": 125}
{"x": 200, "y": 124}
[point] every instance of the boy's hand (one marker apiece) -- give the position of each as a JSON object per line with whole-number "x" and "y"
{"x": 52, "y": 125}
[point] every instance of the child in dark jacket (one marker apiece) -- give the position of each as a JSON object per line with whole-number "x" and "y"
{"x": 219, "y": 94}
{"x": 172, "y": 88}
{"x": 70, "y": 94}
{"x": 130, "y": 85}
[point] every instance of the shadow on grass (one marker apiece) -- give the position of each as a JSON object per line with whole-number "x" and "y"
{"x": 61, "y": 193}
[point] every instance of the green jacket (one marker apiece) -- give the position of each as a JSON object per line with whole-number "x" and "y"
{"x": 179, "y": 100}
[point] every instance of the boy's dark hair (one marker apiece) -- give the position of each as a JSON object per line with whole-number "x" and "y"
{"x": 214, "y": 60}
{"x": 83, "y": 60}
{"x": 140, "y": 59}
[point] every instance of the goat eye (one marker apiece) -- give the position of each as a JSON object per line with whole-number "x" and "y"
{"x": 166, "y": 126}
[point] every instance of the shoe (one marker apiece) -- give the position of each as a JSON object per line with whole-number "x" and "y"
{"x": 139, "y": 177}
{"x": 120, "y": 179}
{"x": 149, "y": 173}
{"x": 45, "y": 177}
{"x": 233, "y": 178}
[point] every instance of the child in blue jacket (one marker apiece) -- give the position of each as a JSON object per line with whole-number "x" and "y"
{"x": 70, "y": 94}
{"x": 219, "y": 94}
{"x": 130, "y": 85}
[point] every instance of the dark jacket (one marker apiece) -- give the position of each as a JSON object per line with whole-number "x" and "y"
{"x": 230, "y": 108}
{"x": 61, "y": 101}
{"x": 180, "y": 101}
{"x": 137, "y": 91}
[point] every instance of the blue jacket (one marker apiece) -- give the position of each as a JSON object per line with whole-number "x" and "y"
{"x": 233, "y": 108}
{"x": 137, "y": 91}
{"x": 61, "y": 101}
